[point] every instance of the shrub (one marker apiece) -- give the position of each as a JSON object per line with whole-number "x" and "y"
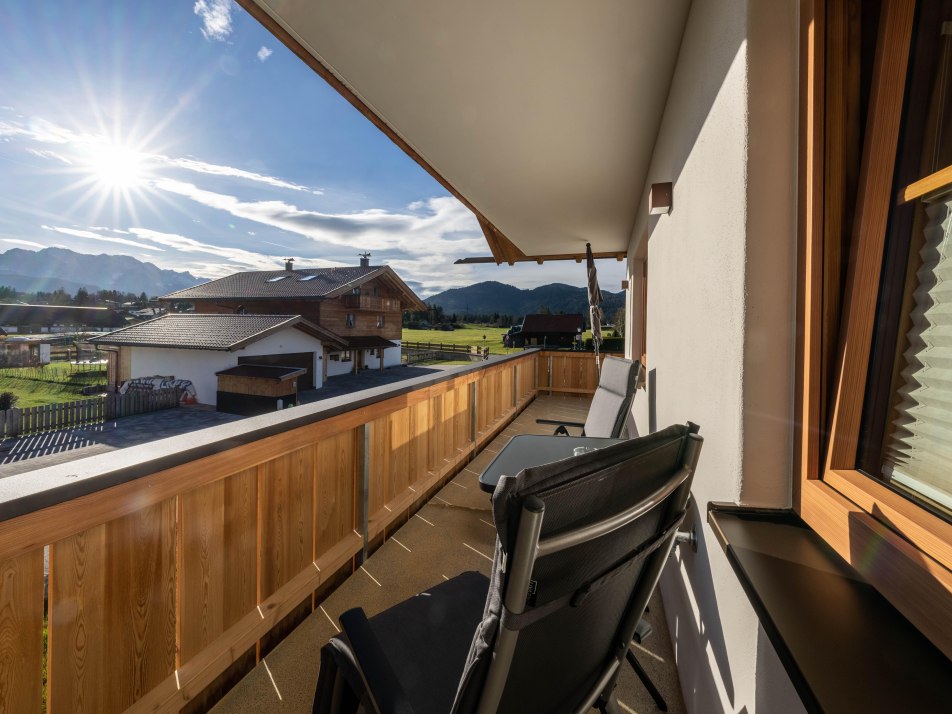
{"x": 8, "y": 400}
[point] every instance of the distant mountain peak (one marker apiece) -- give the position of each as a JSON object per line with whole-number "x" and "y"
{"x": 490, "y": 297}
{"x": 51, "y": 268}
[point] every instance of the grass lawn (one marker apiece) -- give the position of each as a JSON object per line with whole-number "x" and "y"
{"x": 51, "y": 384}
{"x": 471, "y": 335}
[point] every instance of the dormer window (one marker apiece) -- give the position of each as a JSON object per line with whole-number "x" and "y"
{"x": 350, "y": 319}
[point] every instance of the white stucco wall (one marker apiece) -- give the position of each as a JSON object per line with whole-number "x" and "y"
{"x": 336, "y": 367}
{"x": 200, "y": 366}
{"x": 720, "y": 322}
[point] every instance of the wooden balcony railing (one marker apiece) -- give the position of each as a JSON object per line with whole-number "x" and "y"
{"x": 174, "y": 565}
{"x": 369, "y": 302}
{"x": 568, "y": 372}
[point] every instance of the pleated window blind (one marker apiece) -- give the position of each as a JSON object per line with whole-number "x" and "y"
{"x": 917, "y": 452}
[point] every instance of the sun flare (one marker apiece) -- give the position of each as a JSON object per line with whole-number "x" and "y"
{"x": 115, "y": 167}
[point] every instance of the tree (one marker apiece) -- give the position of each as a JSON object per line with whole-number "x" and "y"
{"x": 82, "y": 297}
{"x": 619, "y": 319}
{"x": 8, "y": 400}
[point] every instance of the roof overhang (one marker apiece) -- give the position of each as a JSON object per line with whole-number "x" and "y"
{"x": 540, "y": 117}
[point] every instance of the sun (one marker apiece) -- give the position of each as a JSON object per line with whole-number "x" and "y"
{"x": 116, "y": 167}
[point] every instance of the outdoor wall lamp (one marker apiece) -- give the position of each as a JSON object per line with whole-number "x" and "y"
{"x": 660, "y": 198}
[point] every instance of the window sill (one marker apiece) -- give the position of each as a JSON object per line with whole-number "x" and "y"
{"x": 843, "y": 645}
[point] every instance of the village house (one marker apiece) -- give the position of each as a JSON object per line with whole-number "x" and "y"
{"x": 363, "y": 305}
{"x": 197, "y": 347}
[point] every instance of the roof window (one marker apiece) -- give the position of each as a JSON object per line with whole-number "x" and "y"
{"x": 306, "y": 278}
{"x": 274, "y": 280}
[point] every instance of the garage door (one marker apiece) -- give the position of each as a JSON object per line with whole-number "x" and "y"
{"x": 294, "y": 359}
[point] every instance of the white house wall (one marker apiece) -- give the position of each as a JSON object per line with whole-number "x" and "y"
{"x": 720, "y": 322}
{"x": 199, "y": 366}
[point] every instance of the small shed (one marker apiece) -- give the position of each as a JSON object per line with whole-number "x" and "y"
{"x": 251, "y": 389}
{"x": 550, "y": 330}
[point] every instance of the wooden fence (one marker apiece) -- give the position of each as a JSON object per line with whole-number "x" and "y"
{"x": 166, "y": 585}
{"x": 443, "y": 347}
{"x": 568, "y": 372}
{"x": 50, "y": 417}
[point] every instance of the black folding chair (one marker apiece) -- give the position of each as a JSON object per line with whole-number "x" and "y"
{"x": 580, "y": 547}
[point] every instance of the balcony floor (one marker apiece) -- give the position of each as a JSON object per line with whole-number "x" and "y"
{"x": 452, "y": 533}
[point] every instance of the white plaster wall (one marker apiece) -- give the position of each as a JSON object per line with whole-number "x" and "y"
{"x": 200, "y": 366}
{"x": 720, "y": 323}
{"x": 391, "y": 355}
{"x": 335, "y": 368}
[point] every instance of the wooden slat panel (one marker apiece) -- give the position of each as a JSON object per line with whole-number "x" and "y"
{"x": 218, "y": 560}
{"x": 77, "y": 646}
{"x": 21, "y": 633}
{"x": 335, "y": 474}
{"x": 287, "y": 528}
{"x": 447, "y": 432}
{"x": 399, "y": 472}
{"x": 461, "y": 419}
{"x": 139, "y": 622}
{"x": 379, "y": 463}
{"x": 434, "y": 459}
{"x": 419, "y": 441}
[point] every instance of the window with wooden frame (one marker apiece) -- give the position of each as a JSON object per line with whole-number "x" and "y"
{"x": 875, "y": 391}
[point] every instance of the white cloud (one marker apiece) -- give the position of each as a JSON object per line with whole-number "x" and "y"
{"x": 216, "y": 18}
{"x": 28, "y": 243}
{"x": 264, "y": 53}
{"x": 44, "y": 154}
{"x": 98, "y": 236}
{"x": 219, "y": 170}
{"x": 445, "y": 228}
{"x": 243, "y": 259}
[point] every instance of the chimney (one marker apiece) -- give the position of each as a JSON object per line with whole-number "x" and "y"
{"x": 364, "y": 260}
{"x": 289, "y": 264}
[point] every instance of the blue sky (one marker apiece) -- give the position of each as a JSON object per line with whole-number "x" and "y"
{"x": 183, "y": 134}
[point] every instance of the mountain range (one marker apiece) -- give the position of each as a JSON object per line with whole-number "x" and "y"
{"x": 51, "y": 268}
{"x": 492, "y": 297}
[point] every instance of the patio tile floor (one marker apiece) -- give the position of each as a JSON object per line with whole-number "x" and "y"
{"x": 452, "y": 533}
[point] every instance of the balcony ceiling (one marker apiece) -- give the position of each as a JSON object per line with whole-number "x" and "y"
{"x": 541, "y": 115}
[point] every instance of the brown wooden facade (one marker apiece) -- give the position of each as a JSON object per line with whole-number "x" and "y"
{"x": 375, "y": 309}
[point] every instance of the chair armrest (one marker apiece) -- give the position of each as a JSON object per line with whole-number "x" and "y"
{"x": 561, "y": 426}
{"x": 381, "y": 681}
{"x": 556, "y": 422}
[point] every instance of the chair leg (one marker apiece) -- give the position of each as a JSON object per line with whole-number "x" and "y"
{"x": 646, "y": 680}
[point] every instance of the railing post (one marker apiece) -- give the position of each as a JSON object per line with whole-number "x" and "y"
{"x": 515, "y": 385}
{"x": 550, "y": 375}
{"x": 473, "y": 411}
{"x": 363, "y": 486}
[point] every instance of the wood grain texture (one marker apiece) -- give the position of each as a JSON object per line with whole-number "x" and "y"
{"x": 76, "y": 622}
{"x": 399, "y": 458}
{"x": 419, "y": 449}
{"x": 336, "y": 489}
{"x": 218, "y": 559}
{"x": 916, "y": 585}
{"x": 379, "y": 464}
{"x": 930, "y": 184}
{"x": 21, "y": 633}
{"x": 869, "y": 234}
{"x": 287, "y": 529}
{"x": 139, "y": 622}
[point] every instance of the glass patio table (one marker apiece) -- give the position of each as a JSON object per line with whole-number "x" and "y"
{"x": 533, "y": 450}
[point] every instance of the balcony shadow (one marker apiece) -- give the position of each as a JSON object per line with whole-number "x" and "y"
{"x": 702, "y": 680}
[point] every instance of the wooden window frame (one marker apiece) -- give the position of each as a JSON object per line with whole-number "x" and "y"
{"x": 899, "y": 547}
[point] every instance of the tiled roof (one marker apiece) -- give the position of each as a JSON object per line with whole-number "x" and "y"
{"x": 306, "y": 283}
{"x": 552, "y": 323}
{"x": 199, "y": 332}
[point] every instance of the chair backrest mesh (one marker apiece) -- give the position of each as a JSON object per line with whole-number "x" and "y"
{"x": 613, "y": 397}
{"x": 559, "y": 657}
